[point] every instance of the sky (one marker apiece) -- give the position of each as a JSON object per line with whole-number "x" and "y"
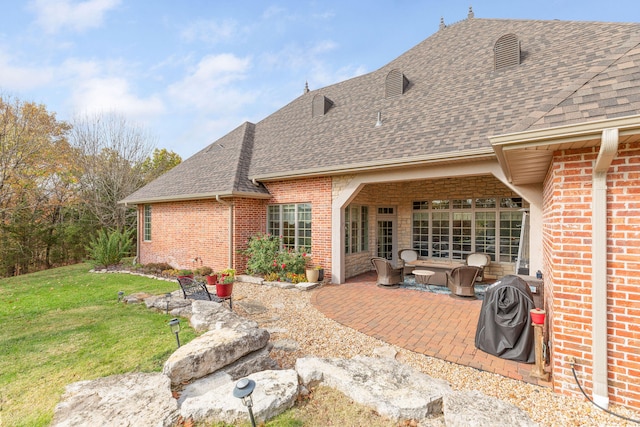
{"x": 191, "y": 71}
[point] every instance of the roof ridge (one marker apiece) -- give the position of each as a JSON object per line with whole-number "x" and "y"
{"x": 246, "y": 153}
{"x": 565, "y": 93}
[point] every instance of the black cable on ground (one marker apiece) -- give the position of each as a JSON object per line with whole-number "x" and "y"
{"x": 595, "y": 404}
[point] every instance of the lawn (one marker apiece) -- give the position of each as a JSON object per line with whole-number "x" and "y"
{"x": 65, "y": 325}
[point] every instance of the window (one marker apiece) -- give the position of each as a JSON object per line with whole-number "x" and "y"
{"x": 356, "y": 220}
{"x": 147, "y": 223}
{"x": 293, "y": 223}
{"x": 452, "y": 229}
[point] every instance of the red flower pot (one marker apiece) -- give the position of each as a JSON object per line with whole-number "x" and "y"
{"x": 537, "y": 316}
{"x": 223, "y": 290}
{"x": 212, "y": 280}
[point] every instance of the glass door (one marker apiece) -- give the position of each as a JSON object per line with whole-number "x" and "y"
{"x": 387, "y": 244}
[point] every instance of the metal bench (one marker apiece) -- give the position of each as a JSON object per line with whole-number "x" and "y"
{"x": 193, "y": 289}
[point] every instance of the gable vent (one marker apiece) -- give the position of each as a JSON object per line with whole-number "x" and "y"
{"x": 506, "y": 51}
{"x": 320, "y": 105}
{"x": 395, "y": 84}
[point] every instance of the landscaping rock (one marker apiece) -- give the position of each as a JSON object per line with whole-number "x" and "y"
{"x": 159, "y": 302}
{"x": 136, "y": 298}
{"x": 249, "y": 279}
{"x": 212, "y": 398}
{"x": 286, "y": 345}
{"x": 135, "y": 399}
{"x": 208, "y": 315}
{"x": 475, "y": 409}
{"x": 252, "y": 307}
{"x": 386, "y": 351}
{"x": 251, "y": 363}
{"x": 307, "y": 286}
{"x": 211, "y": 351}
{"x": 394, "y": 390}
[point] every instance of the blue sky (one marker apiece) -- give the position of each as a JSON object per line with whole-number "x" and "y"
{"x": 190, "y": 71}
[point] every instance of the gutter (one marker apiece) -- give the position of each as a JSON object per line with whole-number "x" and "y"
{"x": 230, "y": 205}
{"x": 608, "y": 150}
{"x": 376, "y": 165}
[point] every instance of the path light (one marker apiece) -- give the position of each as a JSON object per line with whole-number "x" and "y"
{"x": 243, "y": 390}
{"x": 168, "y": 298}
{"x": 120, "y": 296}
{"x": 174, "y": 324}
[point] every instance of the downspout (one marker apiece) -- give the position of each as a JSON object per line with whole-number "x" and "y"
{"x": 608, "y": 150}
{"x": 230, "y": 205}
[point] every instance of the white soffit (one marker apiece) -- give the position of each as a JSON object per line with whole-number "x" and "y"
{"x": 525, "y": 157}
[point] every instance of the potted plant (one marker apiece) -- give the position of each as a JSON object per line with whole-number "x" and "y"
{"x": 185, "y": 273}
{"x": 313, "y": 274}
{"x": 320, "y": 273}
{"x": 212, "y": 279}
{"x": 225, "y": 287}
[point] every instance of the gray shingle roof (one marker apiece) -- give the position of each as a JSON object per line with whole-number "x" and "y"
{"x": 570, "y": 71}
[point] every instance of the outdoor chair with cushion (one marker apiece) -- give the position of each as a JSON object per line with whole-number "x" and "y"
{"x": 461, "y": 281}
{"x": 479, "y": 259}
{"x": 388, "y": 275}
{"x": 405, "y": 256}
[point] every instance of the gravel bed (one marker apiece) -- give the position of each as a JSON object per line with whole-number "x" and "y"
{"x": 290, "y": 316}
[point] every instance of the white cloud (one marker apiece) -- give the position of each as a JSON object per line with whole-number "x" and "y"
{"x": 79, "y": 16}
{"x": 208, "y": 87}
{"x": 113, "y": 94}
{"x": 210, "y": 31}
{"x": 19, "y": 78}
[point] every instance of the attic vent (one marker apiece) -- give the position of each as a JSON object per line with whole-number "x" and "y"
{"x": 320, "y": 105}
{"x": 506, "y": 51}
{"x": 395, "y": 84}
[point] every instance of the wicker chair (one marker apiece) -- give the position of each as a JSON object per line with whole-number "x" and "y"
{"x": 388, "y": 275}
{"x": 461, "y": 281}
{"x": 478, "y": 259}
{"x": 405, "y": 256}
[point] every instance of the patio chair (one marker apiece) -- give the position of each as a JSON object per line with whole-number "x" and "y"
{"x": 388, "y": 275}
{"x": 405, "y": 256}
{"x": 479, "y": 259}
{"x": 192, "y": 289}
{"x": 461, "y": 281}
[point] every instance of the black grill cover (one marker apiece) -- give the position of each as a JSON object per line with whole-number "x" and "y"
{"x": 504, "y": 327}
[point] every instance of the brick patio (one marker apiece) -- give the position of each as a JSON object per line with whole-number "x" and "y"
{"x": 432, "y": 324}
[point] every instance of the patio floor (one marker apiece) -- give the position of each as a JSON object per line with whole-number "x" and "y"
{"x": 432, "y": 324}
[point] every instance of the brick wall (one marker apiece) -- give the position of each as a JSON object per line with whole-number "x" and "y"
{"x": 567, "y": 255}
{"x": 402, "y": 194}
{"x": 316, "y": 191}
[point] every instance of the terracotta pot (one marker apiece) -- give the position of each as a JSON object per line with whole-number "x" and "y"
{"x": 312, "y": 275}
{"x": 223, "y": 290}
{"x": 190, "y": 276}
{"x": 537, "y": 316}
{"x": 212, "y": 279}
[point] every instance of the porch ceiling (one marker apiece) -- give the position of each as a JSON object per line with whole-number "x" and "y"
{"x": 525, "y": 157}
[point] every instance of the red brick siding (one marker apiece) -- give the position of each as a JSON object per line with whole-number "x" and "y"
{"x": 191, "y": 234}
{"x": 567, "y": 253}
{"x": 316, "y": 191}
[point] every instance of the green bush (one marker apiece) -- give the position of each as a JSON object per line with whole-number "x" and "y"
{"x": 108, "y": 249}
{"x": 262, "y": 251}
{"x": 266, "y": 257}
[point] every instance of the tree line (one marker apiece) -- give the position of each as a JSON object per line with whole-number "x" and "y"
{"x": 60, "y": 182}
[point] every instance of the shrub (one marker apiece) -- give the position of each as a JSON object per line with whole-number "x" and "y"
{"x": 262, "y": 251}
{"x": 204, "y": 271}
{"x": 108, "y": 249}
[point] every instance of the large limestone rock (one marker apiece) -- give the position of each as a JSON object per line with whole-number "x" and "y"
{"x": 475, "y": 409}
{"x": 211, "y": 351}
{"x": 135, "y": 399}
{"x": 212, "y": 398}
{"x": 207, "y": 315}
{"x": 394, "y": 390}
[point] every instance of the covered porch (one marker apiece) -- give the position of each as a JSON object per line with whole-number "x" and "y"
{"x": 432, "y": 324}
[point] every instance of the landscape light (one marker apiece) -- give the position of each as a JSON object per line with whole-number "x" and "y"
{"x": 174, "y": 324}
{"x": 243, "y": 390}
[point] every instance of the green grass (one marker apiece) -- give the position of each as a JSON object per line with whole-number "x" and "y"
{"x": 65, "y": 325}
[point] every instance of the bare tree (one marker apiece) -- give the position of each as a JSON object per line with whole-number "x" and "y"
{"x": 109, "y": 150}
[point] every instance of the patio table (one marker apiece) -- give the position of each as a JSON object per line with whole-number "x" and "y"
{"x": 423, "y": 276}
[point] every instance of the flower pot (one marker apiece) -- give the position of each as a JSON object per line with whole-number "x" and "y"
{"x": 190, "y": 276}
{"x": 537, "y": 316}
{"x": 312, "y": 274}
{"x": 212, "y": 279}
{"x": 320, "y": 274}
{"x": 223, "y": 290}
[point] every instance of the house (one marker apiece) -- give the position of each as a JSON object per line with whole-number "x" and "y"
{"x": 443, "y": 150}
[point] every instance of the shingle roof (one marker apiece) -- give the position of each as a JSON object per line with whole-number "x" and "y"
{"x": 454, "y": 101}
{"x": 218, "y": 170}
